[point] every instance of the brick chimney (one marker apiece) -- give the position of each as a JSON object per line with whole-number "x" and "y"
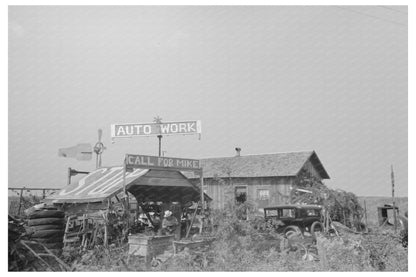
{"x": 238, "y": 150}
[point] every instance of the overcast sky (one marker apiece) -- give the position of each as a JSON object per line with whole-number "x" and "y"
{"x": 267, "y": 79}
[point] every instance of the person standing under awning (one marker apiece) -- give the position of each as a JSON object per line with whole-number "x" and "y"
{"x": 169, "y": 223}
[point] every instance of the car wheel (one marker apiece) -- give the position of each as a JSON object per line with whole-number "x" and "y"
{"x": 46, "y": 213}
{"x": 45, "y": 221}
{"x": 48, "y": 233}
{"x": 291, "y": 231}
{"x": 33, "y": 229}
{"x": 316, "y": 228}
{"x": 49, "y": 240}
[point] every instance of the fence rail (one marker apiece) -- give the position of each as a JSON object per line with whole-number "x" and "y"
{"x": 16, "y": 207}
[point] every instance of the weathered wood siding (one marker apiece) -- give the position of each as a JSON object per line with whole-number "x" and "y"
{"x": 223, "y": 191}
{"x": 311, "y": 169}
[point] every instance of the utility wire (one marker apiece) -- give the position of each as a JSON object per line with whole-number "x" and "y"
{"x": 389, "y": 8}
{"x": 372, "y": 16}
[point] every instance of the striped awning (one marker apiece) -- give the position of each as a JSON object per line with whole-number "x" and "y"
{"x": 144, "y": 184}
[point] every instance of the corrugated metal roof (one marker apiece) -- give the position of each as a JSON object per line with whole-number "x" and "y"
{"x": 262, "y": 165}
{"x": 97, "y": 186}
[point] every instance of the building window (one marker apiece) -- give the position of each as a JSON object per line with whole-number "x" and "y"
{"x": 263, "y": 194}
{"x": 240, "y": 194}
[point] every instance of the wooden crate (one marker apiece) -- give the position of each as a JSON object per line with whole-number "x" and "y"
{"x": 191, "y": 244}
{"x": 149, "y": 246}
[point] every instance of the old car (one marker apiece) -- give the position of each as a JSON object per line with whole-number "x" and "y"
{"x": 294, "y": 218}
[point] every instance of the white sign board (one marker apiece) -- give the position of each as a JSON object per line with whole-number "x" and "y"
{"x": 127, "y": 130}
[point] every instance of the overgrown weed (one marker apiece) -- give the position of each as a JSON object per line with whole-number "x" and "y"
{"x": 245, "y": 242}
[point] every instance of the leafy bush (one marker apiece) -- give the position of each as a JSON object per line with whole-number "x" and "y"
{"x": 251, "y": 244}
{"x": 385, "y": 250}
{"x": 100, "y": 258}
{"x": 339, "y": 255}
{"x": 343, "y": 206}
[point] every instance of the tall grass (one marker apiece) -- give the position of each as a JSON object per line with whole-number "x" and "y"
{"x": 252, "y": 245}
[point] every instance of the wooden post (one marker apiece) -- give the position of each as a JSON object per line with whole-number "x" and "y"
{"x": 127, "y": 196}
{"x": 192, "y": 220}
{"x": 106, "y": 234}
{"x": 20, "y": 200}
{"x": 69, "y": 176}
{"x": 345, "y": 218}
{"x": 158, "y": 120}
{"x": 160, "y": 144}
{"x": 66, "y": 230}
{"x": 124, "y": 176}
{"x": 84, "y": 229}
{"x": 394, "y": 200}
{"x": 365, "y": 213}
{"x": 202, "y": 203}
{"x": 202, "y": 192}
{"x": 96, "y": 161}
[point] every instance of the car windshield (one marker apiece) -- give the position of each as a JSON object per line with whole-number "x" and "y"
{"x": 281, "y": 212}
{"x": 271, "y": 212}
{"x": 312, "y": 212}
{"x": 287, "y": 212}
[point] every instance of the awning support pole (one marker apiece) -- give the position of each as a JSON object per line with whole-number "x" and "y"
{"x": 127, "y": 196}
{"x": 192, "y": 220}
{"x": 202, "y": 202}
{"x": 202, "y": 192}
{"x": 124, "y": 175}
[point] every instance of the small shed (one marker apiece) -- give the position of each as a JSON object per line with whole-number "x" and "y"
{"x": 100, "y": 194}
{"x": 386, "y": 217}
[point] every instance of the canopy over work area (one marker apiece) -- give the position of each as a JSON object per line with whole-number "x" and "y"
{"x": 145, "y": 184}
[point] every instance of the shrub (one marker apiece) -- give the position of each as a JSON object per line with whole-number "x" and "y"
{"x": 251, "y": 244}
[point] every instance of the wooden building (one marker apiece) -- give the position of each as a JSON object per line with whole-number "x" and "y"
{"x": 265, "y": 179}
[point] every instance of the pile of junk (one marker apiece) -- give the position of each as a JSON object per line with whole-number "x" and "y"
{"x": 150, "y": 210}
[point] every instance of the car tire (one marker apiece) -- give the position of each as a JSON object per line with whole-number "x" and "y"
{"x": 292, "y": 230}
{"x": 46, "y": 214}
{"x": 49, "y": 240}
{"x": 290, "y": 234}
{"x": 48, "y": 233}
{"x": 33, "y": 229}
{"x": 46, "y": 221}
{"x": 54, "y": 245}
{"x": 316, "y": 227}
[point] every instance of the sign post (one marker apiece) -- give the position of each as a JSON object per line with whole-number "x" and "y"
{"x": 158, "y": 120}
{"x": 159, "y": 129}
